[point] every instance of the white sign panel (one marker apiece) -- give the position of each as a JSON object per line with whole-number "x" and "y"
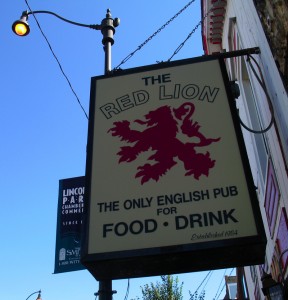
{"x": 165, "y": 167}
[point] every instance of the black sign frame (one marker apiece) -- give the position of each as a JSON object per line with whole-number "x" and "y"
{"x": 183, "y": 258}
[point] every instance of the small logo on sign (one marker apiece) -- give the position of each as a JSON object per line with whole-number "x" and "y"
{"x": 62, "y": 254}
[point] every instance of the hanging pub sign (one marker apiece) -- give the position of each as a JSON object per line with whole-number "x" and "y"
{"x": 69, "y": 225}
{"x": 168, "y": 181}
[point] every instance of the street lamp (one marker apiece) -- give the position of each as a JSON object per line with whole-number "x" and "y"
{"x": 38, "y": 297}
{"x": 271, "y": 289}
{"x": 107, "y": 27}
{"x": 21, "y": 27}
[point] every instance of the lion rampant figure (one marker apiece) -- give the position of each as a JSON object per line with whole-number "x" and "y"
{"x": 160, "y": 135}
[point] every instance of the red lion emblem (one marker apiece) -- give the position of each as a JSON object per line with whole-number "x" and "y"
{"x": 160, "y": 135}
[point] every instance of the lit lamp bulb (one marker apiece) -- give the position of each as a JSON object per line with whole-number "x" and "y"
{"x": 21, "y": 27}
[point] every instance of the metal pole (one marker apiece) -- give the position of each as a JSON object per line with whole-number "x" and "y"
{"x": 107, "y": 49}
{"x": 107, "y": 29}
{"x": 255, "y": 50}
{"x": 105, "y": 290}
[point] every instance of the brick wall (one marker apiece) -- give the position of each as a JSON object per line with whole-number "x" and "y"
{"x": 274, "y": 17}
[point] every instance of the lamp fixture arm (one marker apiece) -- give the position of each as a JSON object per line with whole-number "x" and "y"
{"x": 92, "y": 26}
{"x": 39, "y": 292}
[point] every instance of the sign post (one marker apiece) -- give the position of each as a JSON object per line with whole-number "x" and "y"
{"x": 169, "y": 187}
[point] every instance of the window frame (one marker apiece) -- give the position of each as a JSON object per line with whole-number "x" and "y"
{"x": 272, "y": 198}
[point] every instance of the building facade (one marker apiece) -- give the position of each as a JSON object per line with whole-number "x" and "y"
{"x": 230, "y": 25}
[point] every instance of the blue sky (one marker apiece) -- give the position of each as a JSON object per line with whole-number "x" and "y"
{"x": 44, "y": 130}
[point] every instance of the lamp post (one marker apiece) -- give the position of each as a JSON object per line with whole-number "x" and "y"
{"x": 107, "y": 28}
{"x": 105, "y": 291}
{"x": 272, "y": 289}
{"x": 38, "y": 297}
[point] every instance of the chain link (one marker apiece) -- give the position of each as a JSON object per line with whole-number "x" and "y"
{"x": 155, "y": 33}
{"x": 189, "y": 35}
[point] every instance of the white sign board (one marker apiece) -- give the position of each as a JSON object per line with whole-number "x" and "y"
{"x": 165, "y": 168}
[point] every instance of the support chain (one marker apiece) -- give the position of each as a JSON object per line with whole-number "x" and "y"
{"x": 154, "y": 34}
{"x": 189, "y": 35}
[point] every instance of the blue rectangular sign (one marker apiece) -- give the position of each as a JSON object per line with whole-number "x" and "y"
{"x": 69, "y": 221}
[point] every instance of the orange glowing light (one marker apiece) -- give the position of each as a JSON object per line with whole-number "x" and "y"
{"x": 21, "y": 29}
